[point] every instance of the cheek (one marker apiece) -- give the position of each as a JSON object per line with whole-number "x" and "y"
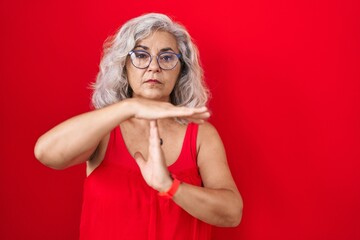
{"x": 177, "y": 72}
{"x": 132, "y": 74}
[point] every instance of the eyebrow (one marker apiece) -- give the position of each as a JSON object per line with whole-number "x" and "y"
{"x": 161, "y": 50}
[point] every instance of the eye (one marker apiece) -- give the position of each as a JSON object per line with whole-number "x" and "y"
{"x": 141, "y": 55}
{"x": 167, "y": 57}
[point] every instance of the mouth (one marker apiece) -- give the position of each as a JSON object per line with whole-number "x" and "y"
{"x": 153, "y": 81}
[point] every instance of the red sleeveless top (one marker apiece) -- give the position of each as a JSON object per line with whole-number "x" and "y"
{"x": 118, "y": 204}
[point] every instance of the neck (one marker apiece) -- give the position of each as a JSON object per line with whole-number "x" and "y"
{"x": 164, "y": 99}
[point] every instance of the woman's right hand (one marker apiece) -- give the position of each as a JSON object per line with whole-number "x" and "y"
{"x": 152, "y": 110}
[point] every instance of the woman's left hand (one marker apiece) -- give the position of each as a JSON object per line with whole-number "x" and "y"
{"x": 154, "y": 169}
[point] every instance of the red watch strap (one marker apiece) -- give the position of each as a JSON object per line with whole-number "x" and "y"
{"x": 171, "y": 192}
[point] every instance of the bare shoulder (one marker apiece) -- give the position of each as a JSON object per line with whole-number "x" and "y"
{"x": 208, "y": 135}
{"x": 207, "y": 127}
{"x": 211, "y": 150}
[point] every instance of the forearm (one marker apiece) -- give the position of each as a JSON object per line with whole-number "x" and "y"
{"x": 74, "y": 140}
{"x": 219, "y": 207}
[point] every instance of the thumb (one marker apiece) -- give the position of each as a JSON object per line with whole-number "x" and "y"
{"x": 139, "y": 159}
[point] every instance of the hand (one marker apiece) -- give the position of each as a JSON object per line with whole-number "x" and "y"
{"x": 154, "y": 169}
{"x": 148, "y": 109}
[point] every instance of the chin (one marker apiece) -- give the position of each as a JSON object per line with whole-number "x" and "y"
{"x": 153, "y": 96}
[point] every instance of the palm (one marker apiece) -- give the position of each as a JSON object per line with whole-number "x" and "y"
{"x": 153, "y": 169}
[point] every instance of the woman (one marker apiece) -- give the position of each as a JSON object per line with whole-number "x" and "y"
{"x": 155, "y": 168}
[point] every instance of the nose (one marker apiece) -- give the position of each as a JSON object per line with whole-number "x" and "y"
{"x": 154, "y": 65}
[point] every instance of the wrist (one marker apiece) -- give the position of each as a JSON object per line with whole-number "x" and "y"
{"x": 172, "y": 189}
{"x": 130, "y": 105}
{"x": 166, "y": 185}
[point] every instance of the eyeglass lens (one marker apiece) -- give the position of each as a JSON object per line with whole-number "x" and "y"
{"x": 142, "y": 59}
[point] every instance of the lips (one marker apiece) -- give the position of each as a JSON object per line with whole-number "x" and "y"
{"x": 152, "y": 81}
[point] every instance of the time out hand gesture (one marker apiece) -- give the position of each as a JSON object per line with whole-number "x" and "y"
{"x": 148, "y": 109}
{"x": 154, "y": 169}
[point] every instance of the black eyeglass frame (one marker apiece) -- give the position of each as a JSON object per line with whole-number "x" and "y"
{"x": 178, "y": 55}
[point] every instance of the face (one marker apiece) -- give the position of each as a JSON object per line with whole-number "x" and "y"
{"x": 153, "y": 82}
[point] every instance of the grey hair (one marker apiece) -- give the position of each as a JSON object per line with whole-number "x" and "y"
{"x": 111, "y": 84}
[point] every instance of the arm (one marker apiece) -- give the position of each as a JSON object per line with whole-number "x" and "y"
{"x": 75, "y": 140}
{"x": 218, "y": 202}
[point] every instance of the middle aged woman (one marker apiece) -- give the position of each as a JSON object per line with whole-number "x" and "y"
{"x": 156, "y": 169}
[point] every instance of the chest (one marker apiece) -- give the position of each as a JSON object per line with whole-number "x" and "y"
{"x": 136, "y": 139}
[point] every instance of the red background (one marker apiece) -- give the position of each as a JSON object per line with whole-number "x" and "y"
{"x": 285, "y": 82}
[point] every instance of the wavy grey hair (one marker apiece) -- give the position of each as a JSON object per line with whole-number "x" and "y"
{"x": 111, "y": 83}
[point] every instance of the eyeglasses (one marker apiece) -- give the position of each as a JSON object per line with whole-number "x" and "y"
{"x": 142, "y": 59}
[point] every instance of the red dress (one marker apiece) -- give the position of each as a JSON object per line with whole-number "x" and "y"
{"x": 118, "y": 204}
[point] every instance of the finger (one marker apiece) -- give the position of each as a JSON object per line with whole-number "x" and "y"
{"x": 187, "y": 112}
{"x": 201, "y": 109}
{"x": 204, "y": 115}
{"x": 139, "y": 159}
{"x": 199, "y": 118}
{"x": 154, "y": 134}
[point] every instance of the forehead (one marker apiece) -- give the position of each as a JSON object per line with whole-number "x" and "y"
{"x": 159, "y": 40}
